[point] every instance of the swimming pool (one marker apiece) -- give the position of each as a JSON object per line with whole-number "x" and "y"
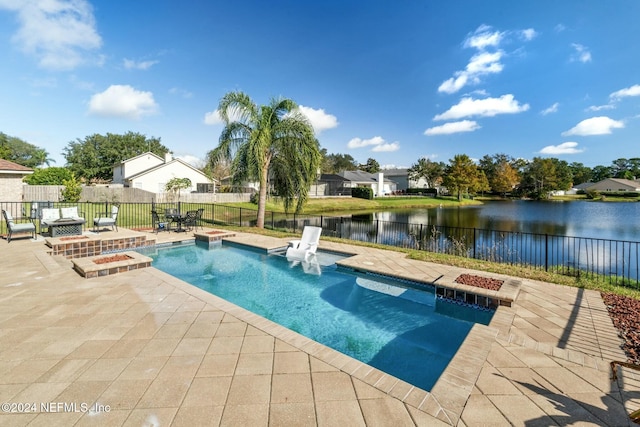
{"x": 406, "y": 332}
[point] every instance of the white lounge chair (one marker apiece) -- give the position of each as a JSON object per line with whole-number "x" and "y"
{"x": 305, "y": 248}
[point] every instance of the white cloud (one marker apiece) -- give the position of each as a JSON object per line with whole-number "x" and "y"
{"x": 601, "y": 125}
{"x": 319, "y": 119}
{"x": 212, "y": 118}
{"x": 131, "y": 64}
{"x": 486, "y": 61}
{"x": 387, "y": 147}
{"x": 377, "y": 142}
{"x": 564, "y": 148}
{"x": 59, "y": 33}
{"x": 551, "y": 109}
{"x": 123, "y": 101}
{"x": 181, "y": 92}
{"x": 487, "y": 107}
{"x": 360, "y": 143}
{"x": 483, "y": 37}
{"x": 629, "y": 91}
{"x": 581, "y": 53}
{"x": 453, "y": 127}
{"x": 528, "y": 34}
{"x": 601, "y": 107}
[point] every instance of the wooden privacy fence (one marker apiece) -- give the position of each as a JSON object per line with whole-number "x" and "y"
{"x": 53, "y": 193}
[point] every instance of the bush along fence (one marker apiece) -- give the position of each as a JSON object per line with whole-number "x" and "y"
{"x": 616, "y": 261}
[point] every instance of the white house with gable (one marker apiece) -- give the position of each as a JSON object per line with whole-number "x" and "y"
{"x": 151, "y": 172}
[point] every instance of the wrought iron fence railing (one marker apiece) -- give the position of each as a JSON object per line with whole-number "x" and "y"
{"x": 616, "y": 261}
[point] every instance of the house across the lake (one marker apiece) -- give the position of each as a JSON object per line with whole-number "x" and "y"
{"x": 615, "y": 184}
{"x": 340, "y": 184}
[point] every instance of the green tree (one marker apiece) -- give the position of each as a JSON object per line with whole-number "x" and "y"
{"x": 72, "y": 190}
{"x": 372, "y": 166}
{"x": 175, "y": 185}
{"x": 48, "y": 176}
{"x": 94, "y": 157}
{"x": 336, "y": 163}
{"x": 460, "y": 175}
{"x": 564, "y": 177}
{"x": 21, "y": 152}
{"x": 580, "y": 172}
{"x": 601, "y": 172}
{"x": 541, "y": 177}
{"x": 427, "y": 170}
{"x": 274, "y": 140}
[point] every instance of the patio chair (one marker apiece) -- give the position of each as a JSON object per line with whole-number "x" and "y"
{"x": 306, "y": 247}
{"x": 199, "y": 217}
{"x": 191, "y": 220}
{"x": 107, "y": 221}
{"x": 158, "y": 224}
{"x": 13, "y": 227}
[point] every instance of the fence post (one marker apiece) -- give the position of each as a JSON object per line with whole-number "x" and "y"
{"x": 320, "y": 221}
{"x": 546, "y": 252}
{"x": 240, "y": 217}
{"x": 341, "y": 218}
{"x": 272, "y": 223}
{"x": 474, "y": 243}
{"x": 295, "y": 224}
{"x": 377, "y": 228}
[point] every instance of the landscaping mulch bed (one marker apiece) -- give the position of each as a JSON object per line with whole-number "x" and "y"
{"x": 625, "y": 314}
{"x": 479, "y": 282}
{"x": 113, "y": 258}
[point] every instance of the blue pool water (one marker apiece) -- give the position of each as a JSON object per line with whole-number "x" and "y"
{"x": 406, "y": 332}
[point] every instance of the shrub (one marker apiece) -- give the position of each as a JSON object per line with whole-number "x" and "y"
{"x": 362, "y": 193}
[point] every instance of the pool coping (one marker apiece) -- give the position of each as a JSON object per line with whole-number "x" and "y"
{"x": 448, "y": 396}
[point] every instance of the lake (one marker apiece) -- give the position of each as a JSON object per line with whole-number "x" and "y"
{"x": 602, "y": 220}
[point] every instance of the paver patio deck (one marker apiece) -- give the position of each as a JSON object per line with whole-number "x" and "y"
{"x": 159, "y": 351}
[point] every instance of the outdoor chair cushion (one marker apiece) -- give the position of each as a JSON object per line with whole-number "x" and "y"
{"x": 49, "y": 215}
{"x": 71, "y": 212}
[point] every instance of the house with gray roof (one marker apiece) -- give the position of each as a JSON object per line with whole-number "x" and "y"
{"x": 615, "y": 184}
{"x": 342, "y": 183}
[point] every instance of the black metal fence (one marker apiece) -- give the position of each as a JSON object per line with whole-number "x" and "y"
{"x": 616, "y": 261}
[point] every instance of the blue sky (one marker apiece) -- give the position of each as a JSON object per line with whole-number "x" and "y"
{"x": 394, "y": 81}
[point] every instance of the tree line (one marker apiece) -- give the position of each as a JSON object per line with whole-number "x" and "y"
{"x": 275, "y": 145}
{"x": 502, "y": 174}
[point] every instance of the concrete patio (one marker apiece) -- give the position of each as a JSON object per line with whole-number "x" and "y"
{"x": 144, "y": 348}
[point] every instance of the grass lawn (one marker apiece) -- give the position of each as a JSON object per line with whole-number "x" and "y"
{"x": 353, "y": 205}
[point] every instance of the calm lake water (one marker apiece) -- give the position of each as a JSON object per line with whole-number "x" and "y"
{"x": 602, "y": 220}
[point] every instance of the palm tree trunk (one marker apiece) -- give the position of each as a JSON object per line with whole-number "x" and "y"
{"x": 262, "y": 199}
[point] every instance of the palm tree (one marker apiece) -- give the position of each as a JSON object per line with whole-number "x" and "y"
{"x": 273, "y": 141}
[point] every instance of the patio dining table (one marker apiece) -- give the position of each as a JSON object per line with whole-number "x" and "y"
{"x": 178, "y": 218}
